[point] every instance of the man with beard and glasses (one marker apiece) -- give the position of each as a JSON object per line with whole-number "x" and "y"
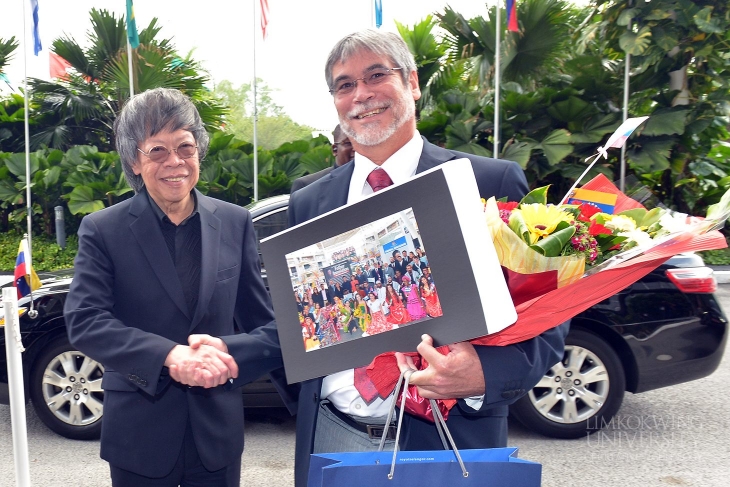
{"x": 374, "y": 84}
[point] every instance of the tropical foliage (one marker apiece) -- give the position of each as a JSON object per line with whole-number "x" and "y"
{"x": 562, "y": 89}
{"x": 80, "y": 108}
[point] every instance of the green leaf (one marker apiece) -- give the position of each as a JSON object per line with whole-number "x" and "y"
{"x": 556, "y": 146}
{"x": 52, "y": 175}
{"x": 517, "y": 224}
{"x": 81, "y": 201}
{"x": 552, "y": 245}
{"x": 537, "y": 195}
{"x": 666, "y": 122}
{"x": 16, "y": 164}
{"x": 519, "y": 152}
{"x": 706, "y": 23}
{"x": 571, "y": 109}
{"x": 635, "y": 43}
{"x": 626, "y": 16}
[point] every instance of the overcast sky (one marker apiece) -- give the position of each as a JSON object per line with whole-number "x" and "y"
{"x": 291, "y": 59}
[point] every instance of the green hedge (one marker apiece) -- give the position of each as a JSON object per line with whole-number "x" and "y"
{"x": 47, "y": 255}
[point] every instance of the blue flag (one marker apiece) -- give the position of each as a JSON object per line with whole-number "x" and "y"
{"x": 37, "y": 47}
{"x": 132, "y": 26}
{"x": 378, "y": 13}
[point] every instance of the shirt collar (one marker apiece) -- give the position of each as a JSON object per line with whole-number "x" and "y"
{"x": 161, "y": 214}
{"x": 401, "y": 166}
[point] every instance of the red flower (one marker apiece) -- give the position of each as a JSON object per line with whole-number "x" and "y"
{"x": 587, "y": 211}
{"x": 508, "y": 206}
{"x": 598, "y": 229}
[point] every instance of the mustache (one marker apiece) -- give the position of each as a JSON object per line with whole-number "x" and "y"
{"x": 368, "y": 107}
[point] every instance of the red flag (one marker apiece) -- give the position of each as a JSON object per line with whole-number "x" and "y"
{"x": 58, "y": 66}
{"x": 264, "y": 16}
{"x": 512, "y": 16}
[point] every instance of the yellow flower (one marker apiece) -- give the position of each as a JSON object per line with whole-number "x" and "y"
{"x": 541, "y": 220}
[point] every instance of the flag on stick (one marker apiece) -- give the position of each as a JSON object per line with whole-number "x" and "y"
{"x": 621, "y": 135}
{"x": 132, "y": 26}
{"x": 37, "y": 47}
{"x": 26, "y": 280}
{"x": 58, "y": 66}
{"x": 378, "y": 13}
{"x": 264, "y": 16}
{"x": 512, "y": 16}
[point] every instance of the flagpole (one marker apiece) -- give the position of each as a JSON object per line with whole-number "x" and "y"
{"x": 26, "y": 122}
{"x": 129, "y": 63}
{"x": 255, "y": 115}
{"x": 627, "y": 72}
{"x": 497, "y": 77}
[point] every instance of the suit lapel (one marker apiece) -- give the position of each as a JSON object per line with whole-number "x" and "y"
{"x": 210, "y": 229}
{"x": 432, "y": 156}
{"x": 335, "y": 187}
{"x": 146, "y": 229}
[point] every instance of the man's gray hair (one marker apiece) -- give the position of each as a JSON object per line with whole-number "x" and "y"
{"x": 148, "y": 114}
{"x": 388, "y": 44}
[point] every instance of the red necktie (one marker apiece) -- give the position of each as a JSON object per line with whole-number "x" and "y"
{"x": 377, "y": 179}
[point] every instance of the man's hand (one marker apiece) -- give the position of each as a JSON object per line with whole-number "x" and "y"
{"x": 457, "y": 374}
{"x": 204, "y": 366}
{"x": 195, "y": 341}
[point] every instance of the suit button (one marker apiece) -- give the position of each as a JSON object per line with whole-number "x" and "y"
{"x": 316, "y": 398}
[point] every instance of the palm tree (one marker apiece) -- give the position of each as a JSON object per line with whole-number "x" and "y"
{"x": 81, "y": 108}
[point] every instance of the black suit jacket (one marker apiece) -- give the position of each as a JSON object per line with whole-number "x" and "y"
{"x": 299, "y": 183}
{"x": 509, "y": 371}
{"x": 126, "y": 309}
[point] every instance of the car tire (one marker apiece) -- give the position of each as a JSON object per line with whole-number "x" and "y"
{"x": 578, "y": 395}
{"x": 66, "y": 391}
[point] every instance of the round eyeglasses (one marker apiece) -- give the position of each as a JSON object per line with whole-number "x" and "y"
{"x": 345, "y": 87}
{"x": 160, "y": 153}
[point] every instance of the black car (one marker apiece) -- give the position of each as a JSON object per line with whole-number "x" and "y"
{"x": 665, "y": 329}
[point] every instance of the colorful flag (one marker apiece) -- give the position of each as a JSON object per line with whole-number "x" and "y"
{"x": 621, "y": 135}
{"x": 512, "y": 16}
{"x": 378, "y": 13}
{"x": 26, "y": 279}
{"x": 58, "y": 66}
{"x": 264, "y": 16}
{"x": 132, "y": 35}
{"x": 37, "y": 47}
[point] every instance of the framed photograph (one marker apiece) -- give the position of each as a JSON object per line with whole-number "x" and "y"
{"x": 374, "y": 276}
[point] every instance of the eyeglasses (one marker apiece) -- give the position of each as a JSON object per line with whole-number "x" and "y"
{"x": 160, "y": 153}
{"x": 345, "y": 145}
{"x": 346, "y": 86}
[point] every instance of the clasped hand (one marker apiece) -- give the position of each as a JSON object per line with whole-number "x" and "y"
{"x": 458, "y": 374}
{"x": 205, "y": 362}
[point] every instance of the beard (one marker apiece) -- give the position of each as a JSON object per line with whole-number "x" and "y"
{"x": 403, "y": 108}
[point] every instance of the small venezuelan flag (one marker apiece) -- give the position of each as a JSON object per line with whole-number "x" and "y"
{"x": 606, "y": 202}
{"x": 26, "y": 280}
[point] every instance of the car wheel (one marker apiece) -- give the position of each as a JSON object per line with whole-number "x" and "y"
{"x": 66, "y": 391}
{"x": 578, "y": 395}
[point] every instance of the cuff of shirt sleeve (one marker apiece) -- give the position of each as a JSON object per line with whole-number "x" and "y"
{"x": 475, "y": 402}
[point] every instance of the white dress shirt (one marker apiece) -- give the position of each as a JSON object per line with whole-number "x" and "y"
{"x": 339, "y": 388}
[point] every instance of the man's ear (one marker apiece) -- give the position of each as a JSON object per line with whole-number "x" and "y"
{"x": 413, "y": 82}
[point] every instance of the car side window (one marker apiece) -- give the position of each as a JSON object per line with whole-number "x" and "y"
{"x": 268, "y": 225}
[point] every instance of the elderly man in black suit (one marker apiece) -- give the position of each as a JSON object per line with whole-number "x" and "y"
{"x": 373, "y": 80}
{"x": 152, "y": 270}
{"x": 343, "y": 152}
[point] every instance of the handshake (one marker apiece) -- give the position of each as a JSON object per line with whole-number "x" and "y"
{"x": 204, "y": 362}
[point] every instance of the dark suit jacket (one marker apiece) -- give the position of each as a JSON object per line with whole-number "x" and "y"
{"x": 126, "y": 309}
{"x": 509, "y": 371}
{"x": 299, "y": 183}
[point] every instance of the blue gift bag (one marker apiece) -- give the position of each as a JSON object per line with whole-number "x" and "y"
{"x": 495, "y": 467}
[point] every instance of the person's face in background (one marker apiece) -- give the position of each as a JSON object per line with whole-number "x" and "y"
{"x": 342, "y": 150}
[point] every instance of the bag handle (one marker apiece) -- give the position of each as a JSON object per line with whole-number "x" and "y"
{"x": 440, "y": 423}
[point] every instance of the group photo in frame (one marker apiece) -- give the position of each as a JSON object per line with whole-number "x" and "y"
{"x": 371, "y": 279}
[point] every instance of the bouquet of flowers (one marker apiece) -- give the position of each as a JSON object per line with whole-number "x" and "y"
{"x": 559, "y": 260}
